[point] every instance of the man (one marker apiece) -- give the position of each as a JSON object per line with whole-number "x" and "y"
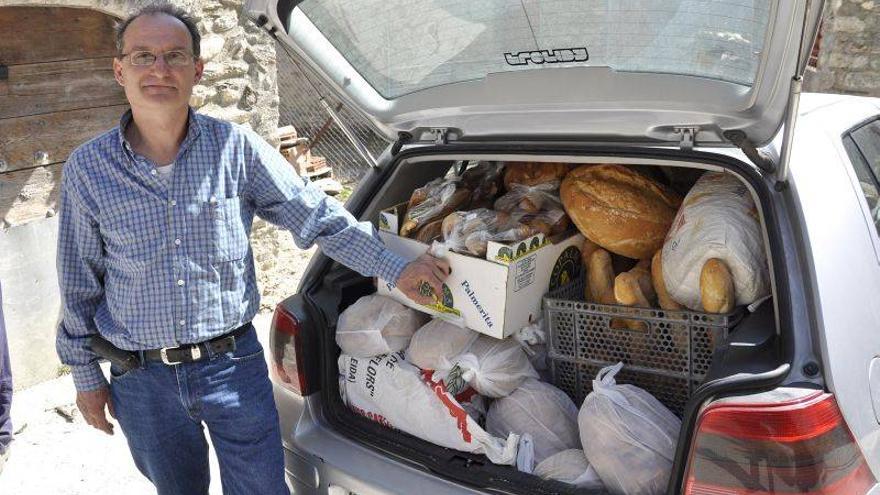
{"x": 5, "y": 391}
{"x": 154, "y": 257}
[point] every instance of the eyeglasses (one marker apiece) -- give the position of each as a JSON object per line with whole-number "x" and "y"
{"x": 173, "y": 58}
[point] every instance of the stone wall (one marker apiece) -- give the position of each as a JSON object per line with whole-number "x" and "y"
{"x": 849, "y": 52}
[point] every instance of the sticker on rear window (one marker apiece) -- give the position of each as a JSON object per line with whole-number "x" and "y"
{"x": 541, "y": 57}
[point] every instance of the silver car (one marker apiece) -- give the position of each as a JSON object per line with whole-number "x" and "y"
{"x": 791, "y": 403}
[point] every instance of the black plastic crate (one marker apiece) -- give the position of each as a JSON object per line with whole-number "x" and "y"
{"x": 664, "y": 352}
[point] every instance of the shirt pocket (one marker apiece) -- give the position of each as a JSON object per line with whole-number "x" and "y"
{"x": 135, "y": 234}
{"x": 229, "y": 238}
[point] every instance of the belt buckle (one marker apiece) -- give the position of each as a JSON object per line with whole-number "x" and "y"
{"x": 195, "y": 353}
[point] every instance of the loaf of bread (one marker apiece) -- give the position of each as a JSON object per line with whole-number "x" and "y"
{"x": 663, "y": 297}
{"x": 716, "y": 287}
{"x": 533, "y": 173}
{"x": 600, "y": 279}
{"x": 619, "y": 209}
{"x": 628, "y": 292}
{"x": 447, "y": 199}
{"x": 429, "y": 232}
{"x": 587, "y": 249}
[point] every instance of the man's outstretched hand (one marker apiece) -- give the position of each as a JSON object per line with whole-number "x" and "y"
{"x": 422, "y": 273}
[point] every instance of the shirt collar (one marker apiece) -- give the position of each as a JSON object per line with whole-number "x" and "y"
{"x": 193, "y": 131}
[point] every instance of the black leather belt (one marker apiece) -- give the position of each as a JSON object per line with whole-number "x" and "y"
{"x": 191, "y": 353}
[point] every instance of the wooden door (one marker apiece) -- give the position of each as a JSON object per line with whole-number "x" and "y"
{"x": 56, "y": 92}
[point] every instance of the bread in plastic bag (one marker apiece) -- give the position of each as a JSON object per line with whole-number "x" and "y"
{"x": 569, "y": 466}
{"x": 534, "y": 173}
{"x": 391, "y": 391}
{"x": 376, "y": 325}
{"x": 484, "y": 180}
{"x": 438, "y": 341}
{"x": 470, "y": 231}
{"x": 495, "y": 368}
{"x": 530, "y": 199}
{"x": 717, "y": 219}
{"x": 628, "y": 436}
{"x": 541, "y": 410}
{"x": 433, "y": 201}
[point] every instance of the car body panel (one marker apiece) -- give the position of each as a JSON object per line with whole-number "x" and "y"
{"x": 842, "y": 243}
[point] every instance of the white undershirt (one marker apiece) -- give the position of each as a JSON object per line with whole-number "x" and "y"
{"x": 165, "y": 172}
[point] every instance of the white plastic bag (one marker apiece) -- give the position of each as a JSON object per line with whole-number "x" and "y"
{"x": 533, "y": 339}
{"x": 628, "y": 436}
{"x": 376, "y": 325}
{"x": 717, "y": 219}
{"x": 391, "y": 391}
{"x": 495, "y": 368}
{"x": 569, "y": 466}
{"x": 540, "y": 410}
{"x": 436, "y": 341}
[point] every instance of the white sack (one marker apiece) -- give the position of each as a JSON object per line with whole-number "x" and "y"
{"x": 628, "y": 436}
{"x": 438, "y": 341}
{"x": 376, "y": 325}
{"x": 391, "y": 391}
{"x": 717, "y": 219}
{"x": 569, "y": 466}
{"x": 540, "y": 410}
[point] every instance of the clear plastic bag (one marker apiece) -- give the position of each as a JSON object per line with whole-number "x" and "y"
{"x": 628, "y": 436}
{"x": 569, "y": 466}
{"x": 540, "y": 410}
{"x": 432, "y": 202}
{"x": 376, "y": 325}
{"x": 471, "y": 231}
{"x": 530, "y": 199}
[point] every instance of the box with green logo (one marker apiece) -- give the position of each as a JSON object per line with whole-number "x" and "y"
{"x": 497, "y": 295}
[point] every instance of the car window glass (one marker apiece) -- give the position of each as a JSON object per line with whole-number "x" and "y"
{"x": 863, "y": 148}
{"x": 405, "y": 46}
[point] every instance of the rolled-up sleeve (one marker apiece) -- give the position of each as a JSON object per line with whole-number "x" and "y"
{"x": 287, "y": 200}
{"x": 80, "y": 277}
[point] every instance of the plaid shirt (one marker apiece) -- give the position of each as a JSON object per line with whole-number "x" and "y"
{"x": 151, "y": 265}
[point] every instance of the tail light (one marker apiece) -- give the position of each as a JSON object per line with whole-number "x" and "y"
{"x": 799, "y": 445}
{"x": 287, "y": 352}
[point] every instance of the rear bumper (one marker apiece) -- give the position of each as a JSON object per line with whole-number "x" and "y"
{"x": 318, "y": 460}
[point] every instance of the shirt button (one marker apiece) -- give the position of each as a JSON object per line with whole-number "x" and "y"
{"x": 182, "y": 322}
{"x": 180, "y": 282}
{"x": 154, "y": 172}
{"x": 177, "y": 242}
{"x": 173, "y": 202}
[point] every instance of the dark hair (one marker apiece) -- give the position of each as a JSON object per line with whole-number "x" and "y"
{"x": 166, "y": 9}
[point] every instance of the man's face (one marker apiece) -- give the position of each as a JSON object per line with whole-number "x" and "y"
{"x": 159, "y": 86}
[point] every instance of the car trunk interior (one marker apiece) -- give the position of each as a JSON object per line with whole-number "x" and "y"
{"x": 753, "y": 344}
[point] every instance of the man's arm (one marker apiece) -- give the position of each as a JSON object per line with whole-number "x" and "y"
{"x": 287, "y": 200}
{"x": 80, "y": 266}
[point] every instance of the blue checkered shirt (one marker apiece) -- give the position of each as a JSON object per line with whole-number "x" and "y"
{"x": 150, "y": 265}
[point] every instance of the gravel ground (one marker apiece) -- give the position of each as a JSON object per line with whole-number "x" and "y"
{"x": 56, "y": 452}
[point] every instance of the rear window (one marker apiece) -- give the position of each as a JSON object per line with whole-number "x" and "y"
{"x": 862, "y": 144}
{"x": 402, "y": 46}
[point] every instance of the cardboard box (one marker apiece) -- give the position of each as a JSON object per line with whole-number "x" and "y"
{"x": 495, "y": 296}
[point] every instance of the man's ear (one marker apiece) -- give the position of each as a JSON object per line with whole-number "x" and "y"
{"x": 200, "y": 68}
{"x": 117, "y": 71}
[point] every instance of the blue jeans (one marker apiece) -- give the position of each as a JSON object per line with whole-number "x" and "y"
{"x": 163, "y": 411}
{"x": 5, "y": 386}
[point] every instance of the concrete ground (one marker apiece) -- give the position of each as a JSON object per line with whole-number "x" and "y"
{"x": 56, "y": 453}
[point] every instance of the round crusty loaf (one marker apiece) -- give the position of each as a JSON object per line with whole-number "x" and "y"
{"x": 533, "y": 173}
{"x": 619, "y": 209}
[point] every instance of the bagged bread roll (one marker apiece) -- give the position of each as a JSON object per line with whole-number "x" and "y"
{"x": 530, "y": 199}
{"x": 485, "y": 181}
{"x": 533, "y": 173}
{"x": 443, "y": 197}
{"x": 471, "y": 231}
{"x": 619, "y": 209}
{"x": 718, "y": 219}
